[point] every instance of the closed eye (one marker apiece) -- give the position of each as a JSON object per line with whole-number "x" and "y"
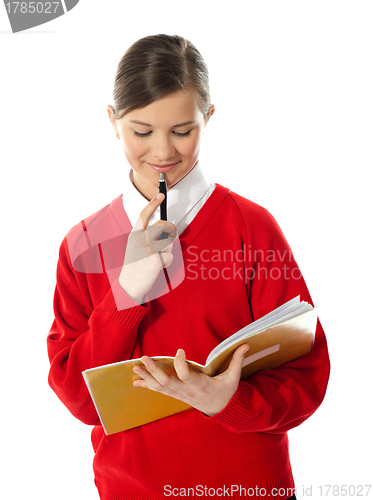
{"x": 178, "y": 134}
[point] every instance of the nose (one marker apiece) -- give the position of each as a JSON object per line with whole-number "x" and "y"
{"x": 162, "y": 148}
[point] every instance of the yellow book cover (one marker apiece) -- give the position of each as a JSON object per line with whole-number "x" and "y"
{"x": 283, "y": 335}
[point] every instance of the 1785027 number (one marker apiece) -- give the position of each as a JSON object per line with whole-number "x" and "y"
{"x": 32, "y": 7}
{"x": 336, "y": 490}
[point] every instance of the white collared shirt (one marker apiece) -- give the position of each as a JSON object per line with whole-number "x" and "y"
{"x": 184, "y": 200}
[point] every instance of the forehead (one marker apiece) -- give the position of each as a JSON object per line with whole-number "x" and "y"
{"x": 173, "y": 109}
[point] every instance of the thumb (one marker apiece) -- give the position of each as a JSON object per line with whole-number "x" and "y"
{"x": 145, "y": 214}
{"x": 238, "y": 358}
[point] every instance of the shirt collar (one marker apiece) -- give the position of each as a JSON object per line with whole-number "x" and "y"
{"x": 181, "y": 198}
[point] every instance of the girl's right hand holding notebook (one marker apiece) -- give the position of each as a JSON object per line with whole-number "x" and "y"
{"x": 145, "y": 254}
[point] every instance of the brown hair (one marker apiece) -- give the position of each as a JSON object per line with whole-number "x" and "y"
{"x": 156, "y": 66}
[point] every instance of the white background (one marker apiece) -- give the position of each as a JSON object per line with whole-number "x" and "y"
{"x": 292, "y": 84}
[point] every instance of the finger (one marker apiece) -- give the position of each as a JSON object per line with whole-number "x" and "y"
{"x": 156, "y": 245}
{"x": 238, "y": 358}
{"x": 157, "y": 373}
{"x": 165, "y": 258}
{"x": 141, "y": 244}
{"x": 147, "y": 380}
{"x": 162, "y": 246}
{"x": 145, "y": 214}
{"x": 181, "y": 367}
{"x": 162, "y": 226}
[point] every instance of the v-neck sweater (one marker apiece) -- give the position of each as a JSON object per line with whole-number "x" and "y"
{"x": 238, "y": 267}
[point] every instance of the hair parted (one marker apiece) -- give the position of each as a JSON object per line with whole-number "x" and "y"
{"x": 156, "y": 66}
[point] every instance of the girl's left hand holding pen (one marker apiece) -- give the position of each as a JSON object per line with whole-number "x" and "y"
{"x": 210, "y": 395}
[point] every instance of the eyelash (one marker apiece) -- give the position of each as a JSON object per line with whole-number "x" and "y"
{"x": 176, "y": 133}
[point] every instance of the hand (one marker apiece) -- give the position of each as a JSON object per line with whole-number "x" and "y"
{"x": 145, "y": 254}
{"x": 210, "y": 395}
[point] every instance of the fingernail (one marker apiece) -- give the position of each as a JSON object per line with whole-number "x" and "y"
{"x": 159, "y": 196}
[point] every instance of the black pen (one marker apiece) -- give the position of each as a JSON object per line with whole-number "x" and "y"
{"x": 162, "y": 188}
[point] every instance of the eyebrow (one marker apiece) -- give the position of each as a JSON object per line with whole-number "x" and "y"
{"x": 148, "y": 124}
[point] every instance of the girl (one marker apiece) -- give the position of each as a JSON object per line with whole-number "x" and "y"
{"x": 112, "y": 302}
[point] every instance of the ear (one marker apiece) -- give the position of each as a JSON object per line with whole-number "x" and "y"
{"x": 113, "y": 121}
{"x": 212, "y": 110}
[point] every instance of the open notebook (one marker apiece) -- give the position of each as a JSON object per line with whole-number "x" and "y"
{"x": 281, "y": 336}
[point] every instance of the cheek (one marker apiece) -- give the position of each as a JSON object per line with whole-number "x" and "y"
{"x": 189, "y": 148}
{"x": 134, "y": 148}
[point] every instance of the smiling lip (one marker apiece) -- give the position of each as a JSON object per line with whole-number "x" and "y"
{"x": 164, "y": 168}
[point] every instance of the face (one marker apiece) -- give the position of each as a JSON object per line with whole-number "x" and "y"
{"x": 164, "y": 133}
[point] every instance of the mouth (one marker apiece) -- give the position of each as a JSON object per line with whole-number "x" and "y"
{"x": 162, "y": 168}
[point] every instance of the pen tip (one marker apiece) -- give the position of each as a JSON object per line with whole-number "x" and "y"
{"x": 162, "y": 176}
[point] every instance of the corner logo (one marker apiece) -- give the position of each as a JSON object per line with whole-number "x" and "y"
{"x": 27, "y": 14}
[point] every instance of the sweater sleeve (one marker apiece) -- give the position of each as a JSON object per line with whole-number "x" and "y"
{"x": 81, "y": 337}
{"x": 275, "y": 401}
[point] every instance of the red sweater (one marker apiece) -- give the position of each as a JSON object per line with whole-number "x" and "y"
{"x": 245, "y": 446}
